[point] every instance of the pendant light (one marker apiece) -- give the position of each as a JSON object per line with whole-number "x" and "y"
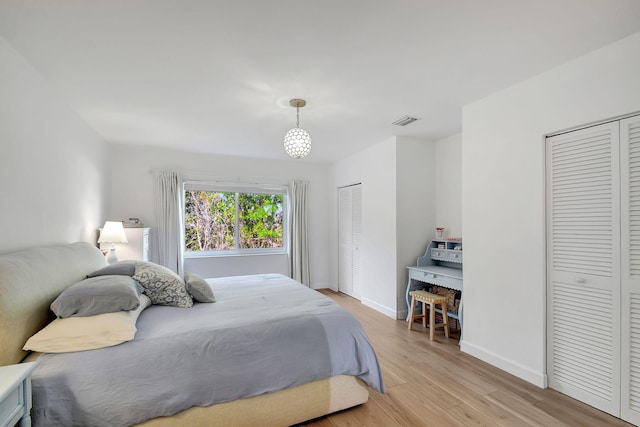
{"x": 297, "y": 142}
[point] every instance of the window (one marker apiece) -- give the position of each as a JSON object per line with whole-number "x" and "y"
{"x": 225, "y": 220}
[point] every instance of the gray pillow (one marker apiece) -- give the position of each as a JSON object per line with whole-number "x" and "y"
{"x": 121, "y": 268}
{"x": 162, "y": 286}
{"x": 98, "y": 295}
{"x": 198, "y": 288}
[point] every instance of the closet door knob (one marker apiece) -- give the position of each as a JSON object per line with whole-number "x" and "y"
{"x": 579, "y": 280}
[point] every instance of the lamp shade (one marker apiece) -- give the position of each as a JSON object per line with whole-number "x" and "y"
{"x": 112, "y": 232}
{"x": 297, "y": 143}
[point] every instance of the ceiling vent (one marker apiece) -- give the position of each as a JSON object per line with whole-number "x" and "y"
{"x": 405, "y": 120}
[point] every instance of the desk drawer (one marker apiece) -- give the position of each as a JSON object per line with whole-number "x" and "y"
{"x": 454, "y": 256}
{"x": 439, "y": 254}
{"x": 437, "y": 279}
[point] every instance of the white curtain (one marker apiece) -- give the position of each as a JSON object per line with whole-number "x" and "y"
{"x": 170, "y": 223}
{"x": 299, "y": 233}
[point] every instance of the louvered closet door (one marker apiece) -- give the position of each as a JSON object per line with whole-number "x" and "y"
{"x": 630, "y": 340}
{"x": 349, "y": 237}
{"x": 583, "y": 253}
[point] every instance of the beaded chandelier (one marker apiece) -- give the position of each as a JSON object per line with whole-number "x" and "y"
{"x": 297, "y": 142}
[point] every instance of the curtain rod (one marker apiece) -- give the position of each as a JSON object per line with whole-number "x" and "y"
{"x": 223, "y": 179}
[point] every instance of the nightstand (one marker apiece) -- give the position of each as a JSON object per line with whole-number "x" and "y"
{"x": 15, "y": 394}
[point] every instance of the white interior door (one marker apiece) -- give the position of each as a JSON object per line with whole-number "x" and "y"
{"x": 356, "y": 239}
{"x": 349, "y": 237}
{"x": 630, "y": 286}
{"x": 583, "y": 265}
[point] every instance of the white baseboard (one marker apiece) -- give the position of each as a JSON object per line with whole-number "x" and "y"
{"x": 534, "y": 377}
{"x": 372, "y": 304}
{"x": 379, "y": 307}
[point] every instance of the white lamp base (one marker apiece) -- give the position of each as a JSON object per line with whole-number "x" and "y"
{"x": 112, "y": 258}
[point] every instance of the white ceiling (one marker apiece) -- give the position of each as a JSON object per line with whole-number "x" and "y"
{"x": 217, "y": 76}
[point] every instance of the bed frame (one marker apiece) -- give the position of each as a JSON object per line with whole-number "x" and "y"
{"x": 31, "y": 279}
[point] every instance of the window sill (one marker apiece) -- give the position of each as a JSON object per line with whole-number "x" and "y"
{"x": 196, "y": 255}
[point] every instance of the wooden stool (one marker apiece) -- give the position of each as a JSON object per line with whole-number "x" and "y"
{"x": 431, "y": 299}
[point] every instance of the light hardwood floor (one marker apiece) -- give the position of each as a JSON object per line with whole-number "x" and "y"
{"x": 434, "y": 384}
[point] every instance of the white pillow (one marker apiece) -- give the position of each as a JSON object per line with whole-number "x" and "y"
{"x": 87, "y": 333}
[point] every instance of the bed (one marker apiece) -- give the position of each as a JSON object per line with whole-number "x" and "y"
{"x": 269, "y": 351}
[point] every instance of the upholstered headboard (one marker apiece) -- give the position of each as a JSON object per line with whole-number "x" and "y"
{"x": 29, "y": 281}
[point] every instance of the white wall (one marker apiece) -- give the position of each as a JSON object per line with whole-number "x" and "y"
{"x": 416, "y": 189}
{"x": 397, "y": 213}
{"x": 375, "y": 168}
{"x": 52, "y": 165}
{"x": 449, "y": 185}
{"x": 503, "y": 197}
{"x": 132, "y": 195}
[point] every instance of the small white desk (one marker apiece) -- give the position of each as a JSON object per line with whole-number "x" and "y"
{"x": 15, "y": 394}
{"x": 440, "y": 265}
{"x": 436, "y": 275}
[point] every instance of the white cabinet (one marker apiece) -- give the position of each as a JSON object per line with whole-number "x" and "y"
{"x": 137, "y": 247}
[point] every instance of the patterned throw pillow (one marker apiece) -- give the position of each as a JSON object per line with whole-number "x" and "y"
{"x": 162, "y": 286}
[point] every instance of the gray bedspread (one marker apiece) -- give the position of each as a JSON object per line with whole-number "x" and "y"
{"x": 264, "y": 333}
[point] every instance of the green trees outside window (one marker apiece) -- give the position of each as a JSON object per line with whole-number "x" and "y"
{"x": 226, "y": 221}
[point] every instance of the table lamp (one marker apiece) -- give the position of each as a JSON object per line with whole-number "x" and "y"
{"x": 112, "y": 232}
